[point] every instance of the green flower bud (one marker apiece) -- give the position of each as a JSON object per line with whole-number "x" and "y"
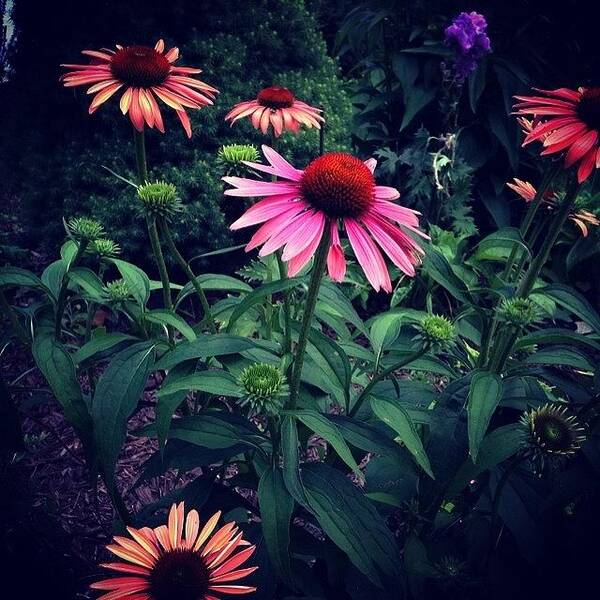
{"x": 118, "y": 290}
{"x": 518, "y": 312}
{"x": 104, "y": 248}
{"x": 159, "y": 199}
{"x": 231, "y": 157}
{"x": 550, "y": 433}
{"x": 85, "y": 229}
{"x": 436, "y": 331}
{"x": 264, "y": 387}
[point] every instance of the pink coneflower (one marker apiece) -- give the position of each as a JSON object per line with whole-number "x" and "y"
{"x": 566, "y": 121}
{"x": 276, "y": 107}
{"x": 334, "y": 190}
{"x": 178, "y": 561}
{"x": 144, "y": 73}
{"x": 581, "y": 218}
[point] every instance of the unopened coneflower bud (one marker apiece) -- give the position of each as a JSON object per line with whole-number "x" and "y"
{"x": 159, "y": 199}
{"x": 85, "y": 229}
{"x": 436, "y": 331}
{"x": 264, "y": 389}
{"x": 550, "y": 433}
{"x": 518, "y": 312}
{"x": 104, "y": 248}
{"x": 118, "y": 290}
{"x": 231, "y": 158}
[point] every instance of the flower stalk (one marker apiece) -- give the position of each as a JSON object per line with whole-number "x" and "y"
{"x": 164, "y": 227}
{"x": 309, "y": 310}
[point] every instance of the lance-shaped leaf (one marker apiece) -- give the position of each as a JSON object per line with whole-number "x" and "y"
{"x": 396, "y": 417}
{"x": 219, "y": 383}
{"x": 117, "y": 394}
{"x": 350, "y": 520}
{"x": 137, "y": 281}
{"x": 167, "y": 317}
{"x": 276, "y": 508}
{"x": 291, "y": 460}
{"x": 485, "y": 392}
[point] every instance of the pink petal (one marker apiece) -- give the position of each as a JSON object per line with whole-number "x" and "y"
{"x": 300, "y": 238}
{"x": 580, "y": 147}
{"x": 273, "y": 226}
{"x": 296, "y": 264}
{"x": 400, "y": 214}
{"x": 266, "y": 209}
{"x": 252, "y": 187}
{"x": 368, "y": 256}
{"x": 585, "y": 169}
{"x": 371, "y": 163}
{"x": 336, "y": 262}
{"x": 384, "y": 192}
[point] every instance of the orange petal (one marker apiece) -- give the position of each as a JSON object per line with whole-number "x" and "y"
{"x": 232, "y": 589}
{"x": 234, "y": 562}
{"x": 125, "y": 101}
{"x": 144, "y": 542}
{"x": 160, "y": 46}
{"x": 126, "y": 555}
{"x": 233, "y": 575}
{"x": 221, "y": 537}
{"x": 162, "y": 533}
{"x": 192, "y": 526}
{"x": 126, "y": 568}
{"x": 103, "y": 96}
{"x": 207, "y": 530}
{"x": 185, "y": 121}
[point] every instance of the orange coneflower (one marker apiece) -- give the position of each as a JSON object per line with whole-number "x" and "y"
{"x": 178, "y": 561}
{"x": 276, "y": 107}
{"x": 566, "y": 121}
{"x": 582, "y": 218}
{"x": 144, "y": 73}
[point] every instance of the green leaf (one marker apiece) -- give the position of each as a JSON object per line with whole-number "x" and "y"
{"x": 385, "y": 329}
{"x": 350, "y": 520}
{"x": 441, "y": 272}
{"x": 276, "y": 508}
{"x": 117, "y": 394}
{"x": 558, "y": 355}
{"x": 572, "y": 301}
{"x": 68, "y": 252}
{"x": 417, "y": 100}
{"x": 57, "y": 366}
{"x": 406, "y": 69}
{"x": 167, "y": 317}
{"x": 323, "y": 427}
{"x": 364, "y": 436}
{"x": 485, "y": 392}
{"x": 168, "y": 402}
{"x": 216, "y": 430}
{"x": 499, "y": 245}
{"x": 17, "y": 277}
{"x": 260, "y": 294}
{"x": 88, "y": 281}
{"x": 52, "y": 277}
{"x": 98, "y": 344}
{"x": 333, "y": 300}
{"x": 557, "y": 336}
{"x": 210, "y": 345}
{"x": 291, "y": 460}
{"x": 496, "y": 447}
{"x": 137, "y": 281}
{"x": 219, "y": 383}
{"x": 213, "y": 282}
{"x": 399, "y": 420}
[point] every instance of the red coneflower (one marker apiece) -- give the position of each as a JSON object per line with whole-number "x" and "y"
{"x": 566, "y": 121}
{"x": 144, "y": 73}
{"x": 334, "y": 190}
{"x": 276, "y": 107}
{"x": 582, "y": 218}
{"x": 178, "y": 561}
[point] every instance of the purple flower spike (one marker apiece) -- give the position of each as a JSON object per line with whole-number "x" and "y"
{"x": 467, "y": 37}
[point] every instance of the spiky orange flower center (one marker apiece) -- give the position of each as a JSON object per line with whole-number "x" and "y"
{"x": 588, "y": 108}
{"x": 338, "y": 184}
{"x": 276, "y": 97}
{"x": 140, "y": 66}
{"x": 179, "y": 574}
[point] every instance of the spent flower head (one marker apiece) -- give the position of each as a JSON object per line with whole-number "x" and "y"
{"x": 264, "y": 389}
{"x": 550, "y": 434}
{"x": 436, "y": 331}
{"x": 85, "y": 229}
{"x": 118, "y": 290}
{"x": 104, "y": 248}
{"x": 518, "y": 312}
{"x": 159, "y": 199}
{"x": 231, "y": 158}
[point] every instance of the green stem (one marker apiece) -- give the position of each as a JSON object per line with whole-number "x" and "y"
{"x": 287, "y": 319}
{"x": 164, "y": 226}
{"x": 64, "y": 287}
{"x": 140, "y": 156}
{"x": 9, "y": 312}
{"x": 162, "y": 267}
{"x": 318, "y": 271}
{"x": 382, "y": 375}
{"x": 502, "y": 350}
{"x": 556, "y": 225}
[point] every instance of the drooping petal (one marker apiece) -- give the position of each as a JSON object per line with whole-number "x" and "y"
{"x": 336, "y": 261}
{"x": 368, "y": 256}
{"x": 296, "y": 264}
{"x": 266, "y": 209}
{"x": 580, "y": 147}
